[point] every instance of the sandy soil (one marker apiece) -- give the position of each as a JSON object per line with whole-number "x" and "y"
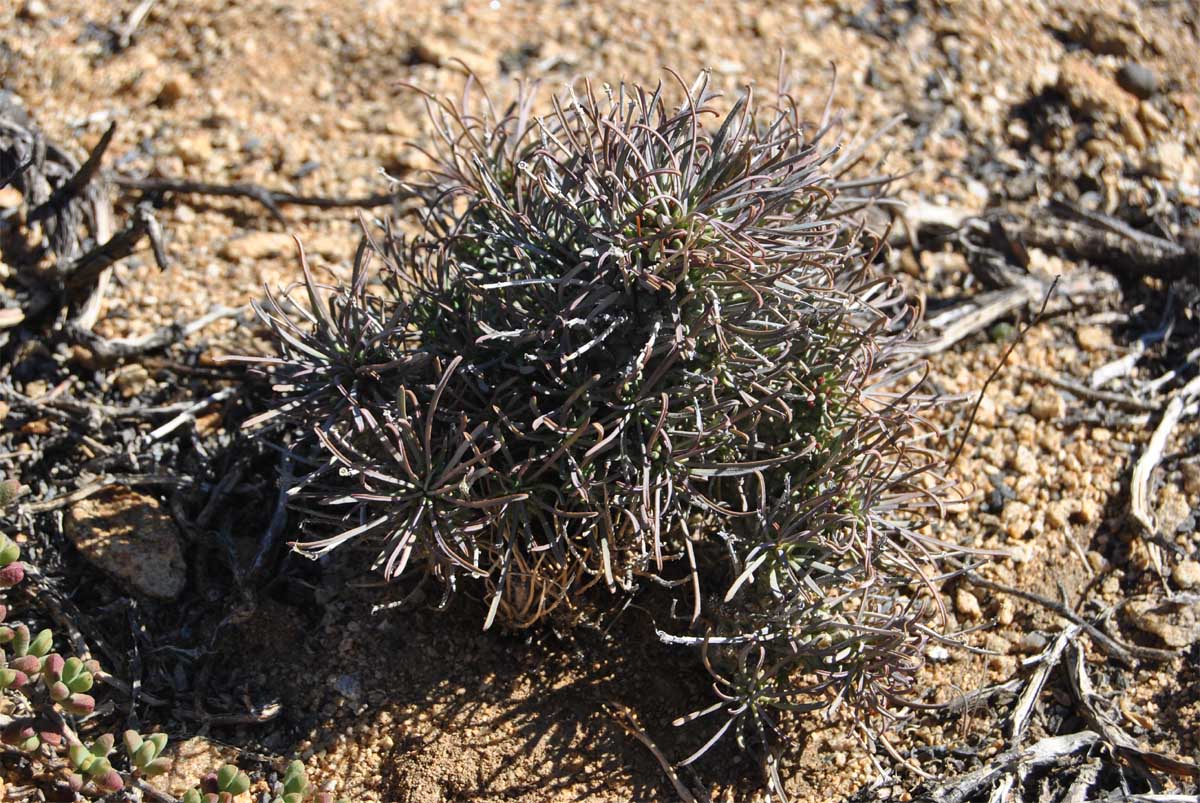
{"x": 304, "y": 96}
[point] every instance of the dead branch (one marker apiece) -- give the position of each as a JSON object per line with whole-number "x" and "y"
{"x": 123, "y": 33}
{"x": 84, "y": 272}
{"x": 74, "y": 186}
{"x": 1121, "y": 742}
{"x": 270, "y": 199}
{"x": 1033, "y": 690}
{"x": 1125, "y": 653}
{"x": 1139, "y": 485}
{"x": 624, "y": 717}
{"x": 979, "y": 312}
{"x": 1039, "y": 754}
{"x": 1084, "y": 392}
{"x": 124, "y": 348}
{"x": 1104, "y": 240}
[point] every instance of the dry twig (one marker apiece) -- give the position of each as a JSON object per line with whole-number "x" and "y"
{"x": 1139, "y": 485}
{"x": 270, "y": 199}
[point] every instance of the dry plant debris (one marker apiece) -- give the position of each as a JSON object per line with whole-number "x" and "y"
{"x": 1056, "y": 138}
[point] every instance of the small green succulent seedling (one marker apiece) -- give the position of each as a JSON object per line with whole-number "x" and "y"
{"x": 67, "y": 680}
{"x": 90, "y": 763}
{"x": 12, "y": 571}
{"x": 145, "y": 753}
{"x": 295, "y": 784}
{"x": 294, "y": 787}
{"x": 220, "y": 787}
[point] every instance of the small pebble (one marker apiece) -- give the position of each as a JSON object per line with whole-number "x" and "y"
{"x": 173, "y": 90}
{"x": 1047, "y": 405}
{"x": 1186, "y": 574}
{"x": 967, "y": 604}
{"x": 1032, "y": 643}
{"x": 34, "y": 10}
{"x": 1004, "y": 615}
{"x": 1191, "y": 478}
{"x": 1137, "y": 80}
{"x": 938, "y": 654}
{"x": 1093, "y": 338}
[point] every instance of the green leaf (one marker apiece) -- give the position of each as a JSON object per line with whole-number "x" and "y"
{"x": 9, "y": 551}
{"x": 159, "y": 740}
{"x": 192, "y": 796}
{"x": 132, "y": 740}
{"x": 82, "y": 682}
{"x": 294, "y": 779}
{"x": 71, "y": 669}
{"x": 156, "y": 767}
{"x": 80, "y": 757}
{"x": 42, "y": 644}
{"x": 99, "y": 766}
{"x": 231, "y": 780}
{"x": 103, "y": 745}
{"x": 144, "y": 755}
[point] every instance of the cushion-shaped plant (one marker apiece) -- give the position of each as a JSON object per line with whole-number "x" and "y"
{"x": 633, "y": 342}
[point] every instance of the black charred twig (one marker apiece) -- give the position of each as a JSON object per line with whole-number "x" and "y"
{"x": 82, "y": 273}
{"x": 1047, "y": 751}
{"x": 75, "y": 185}
{"x": 270, "y": 199}
{"x": 121, "y": 349}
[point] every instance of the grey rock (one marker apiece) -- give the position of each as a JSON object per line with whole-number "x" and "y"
{"x": 1137, "y": 80}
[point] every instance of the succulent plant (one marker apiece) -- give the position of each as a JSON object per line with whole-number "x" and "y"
{"x": 220, "y": 787}
{"x": 633, "y": 343}
{"x": 91, "y": 763}
{"x": 145, "y": 753}
{"x": 12, "y": 571}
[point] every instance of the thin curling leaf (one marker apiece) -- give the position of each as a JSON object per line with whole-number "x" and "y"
{"x": 636, "y": 342}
